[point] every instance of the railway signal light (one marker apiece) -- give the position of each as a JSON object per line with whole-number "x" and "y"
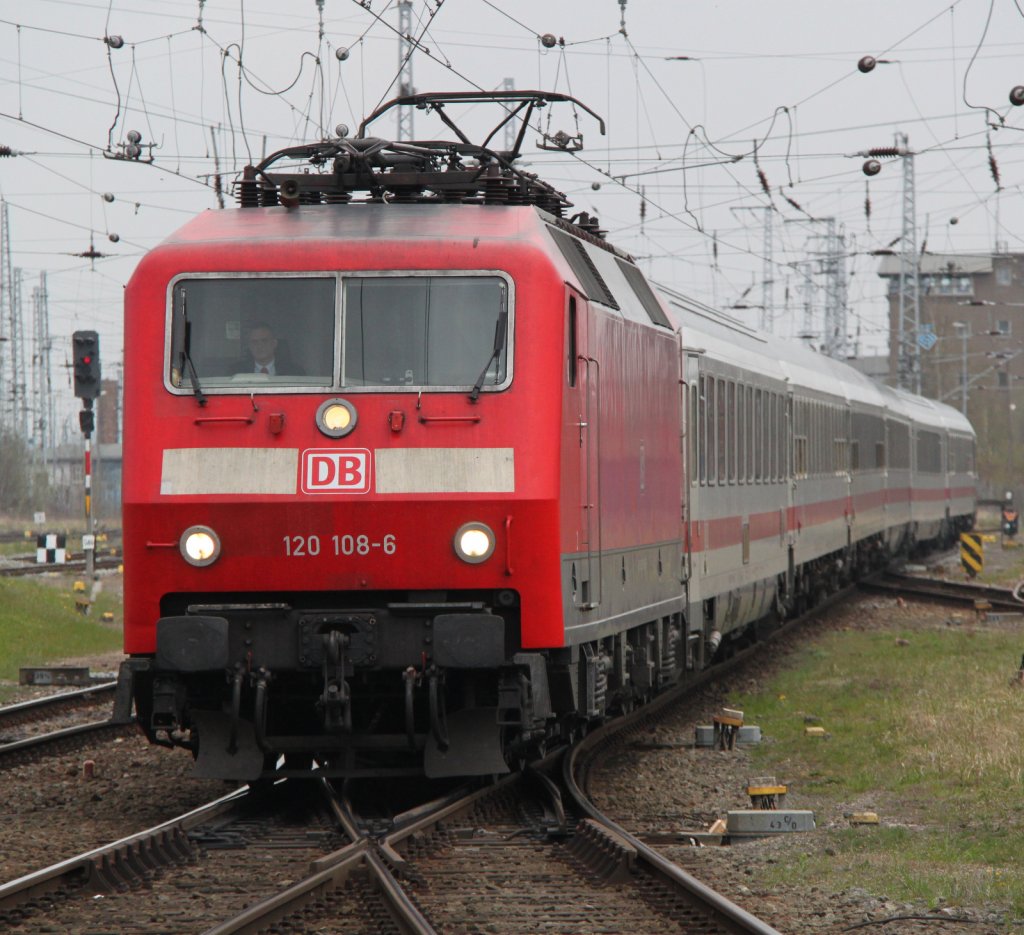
{"x": 86, "y": 346}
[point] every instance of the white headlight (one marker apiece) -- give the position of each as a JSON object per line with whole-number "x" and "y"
{"x": 474, "y": 543}
{"x": 199, "y": 545}
{"x": 336, "y": 417}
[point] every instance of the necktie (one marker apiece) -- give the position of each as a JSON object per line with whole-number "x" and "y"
{"x": 264, "y": 370}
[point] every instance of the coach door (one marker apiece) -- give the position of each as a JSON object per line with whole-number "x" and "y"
{"x": 690, "y": 406}
{"x": 587, "y": 586}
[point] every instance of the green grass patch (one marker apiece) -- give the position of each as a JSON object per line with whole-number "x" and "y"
{"x": 925, "y": 726}
{"x": 39, "y": 625}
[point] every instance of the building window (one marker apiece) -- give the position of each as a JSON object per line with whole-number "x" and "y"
{"x": 1003, "y": 326}
{"x": 1004, "y": 274}
{"x": 1004, "y": 378}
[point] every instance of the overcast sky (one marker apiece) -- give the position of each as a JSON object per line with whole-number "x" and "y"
{"x": 761, "y": 123}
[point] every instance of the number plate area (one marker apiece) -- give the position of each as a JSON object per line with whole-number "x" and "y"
{"x": 339, "y": 545}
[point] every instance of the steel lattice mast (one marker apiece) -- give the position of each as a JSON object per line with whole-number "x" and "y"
{"x": 834, "y": 342}
{"x": 42, "y": 387}
{"x": 6, "y": 346}
{"x": 908, "y": 371}
{"x": 405, "y": 85}
{"x": 19, "y": 370}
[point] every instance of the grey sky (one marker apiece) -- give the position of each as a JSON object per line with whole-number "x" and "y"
{"x": 780, "y": 77}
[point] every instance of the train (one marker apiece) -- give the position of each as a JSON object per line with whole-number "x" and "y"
{"x": 422, "y": 475}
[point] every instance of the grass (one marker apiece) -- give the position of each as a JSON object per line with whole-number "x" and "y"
{"x": 39, "y": 625}
{"x": 923, "y": 727}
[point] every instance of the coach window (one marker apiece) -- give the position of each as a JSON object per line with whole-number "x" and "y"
{"x": 733, "y": 421}
{"x": 416, "y": 331}
{"x": 251, "y": 333}
{"x": 721, "y": 429}
{"x": 696, "y": 442}
{"x": 751, "y": 444}
{"x": 702, "y": 429}
{"x": 773, "y": 437}
{"x": 758, "y": 434}
{"x": 741, "y": 433}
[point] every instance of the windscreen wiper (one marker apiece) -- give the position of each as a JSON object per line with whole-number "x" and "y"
{"x": 185, "y": 358}
{"x": 500, "y": 328}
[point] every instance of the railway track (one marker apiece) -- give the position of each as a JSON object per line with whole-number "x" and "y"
{"x": 28, "y": 566}
{"x": 56, "y": 723}
{"x": 960, "y": 593}
{"x": 528, "y": 854}
{"x": 517, "y": 856}
{"x": 508, "y": 857}
{"x": 49, "y": 706}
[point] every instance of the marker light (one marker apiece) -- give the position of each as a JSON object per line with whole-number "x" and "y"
{"x": 199, "y": 545}
{"x": 336, "y": 417}
{"x": 474, "y": 543}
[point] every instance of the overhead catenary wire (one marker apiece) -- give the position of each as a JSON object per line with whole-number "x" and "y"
{"x": 650, "y": 163}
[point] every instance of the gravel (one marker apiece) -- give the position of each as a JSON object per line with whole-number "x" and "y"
{"x": 662, "y": 782}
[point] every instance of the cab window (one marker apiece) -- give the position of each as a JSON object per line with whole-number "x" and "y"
{"x": 251, "y": 332}
{"x": 425, "y": 331}
{"x": 235, "y": 332}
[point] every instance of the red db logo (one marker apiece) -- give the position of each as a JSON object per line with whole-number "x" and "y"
{"x": 335, "y": 470}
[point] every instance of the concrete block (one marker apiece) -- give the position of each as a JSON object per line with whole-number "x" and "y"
{"x": 54, "y": 675}
{"x": 704, "y": 735}
{"x": 749, "y": 733}
{"x": 775, "y": 821}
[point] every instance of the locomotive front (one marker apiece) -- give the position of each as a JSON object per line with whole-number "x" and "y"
{"x": 329, "y": 494}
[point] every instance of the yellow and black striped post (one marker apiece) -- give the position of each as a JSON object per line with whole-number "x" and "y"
{"x": 972, "y": 553}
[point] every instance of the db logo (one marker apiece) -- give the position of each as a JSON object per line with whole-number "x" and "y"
{"x": 335, "y": 470}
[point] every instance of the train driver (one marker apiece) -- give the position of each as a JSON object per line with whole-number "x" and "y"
{"x": 266, "y": 356}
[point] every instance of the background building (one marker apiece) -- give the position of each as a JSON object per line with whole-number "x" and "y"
{"x": 970, "y": 347}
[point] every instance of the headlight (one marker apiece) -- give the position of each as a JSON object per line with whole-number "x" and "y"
{"x": 474, "y": 543}
{"x": 336, "y": 417}
{"x": 199, "y": 545}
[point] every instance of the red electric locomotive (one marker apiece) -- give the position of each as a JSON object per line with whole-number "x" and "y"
{"x": 405, "y": 483}
{"x": 368, "y": 546}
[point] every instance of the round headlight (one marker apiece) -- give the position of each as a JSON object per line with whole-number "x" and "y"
{"x": 474, "y": 543}
{"x": 336, "y": 417}
{"x": 199, "y": 545}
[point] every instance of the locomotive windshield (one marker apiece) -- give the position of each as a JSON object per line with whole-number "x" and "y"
{"x": 422, "y": 330}
{"x": 271, "y": 332}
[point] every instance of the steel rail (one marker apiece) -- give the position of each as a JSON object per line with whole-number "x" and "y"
{"x": 725, "y": 912}
{"x": 329, "y": 873}
{"x": 87, "y": 868}
{"x": 65, "y": 733}
{"x": 51, "y": 701}
{"x": 959, "y": 592}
